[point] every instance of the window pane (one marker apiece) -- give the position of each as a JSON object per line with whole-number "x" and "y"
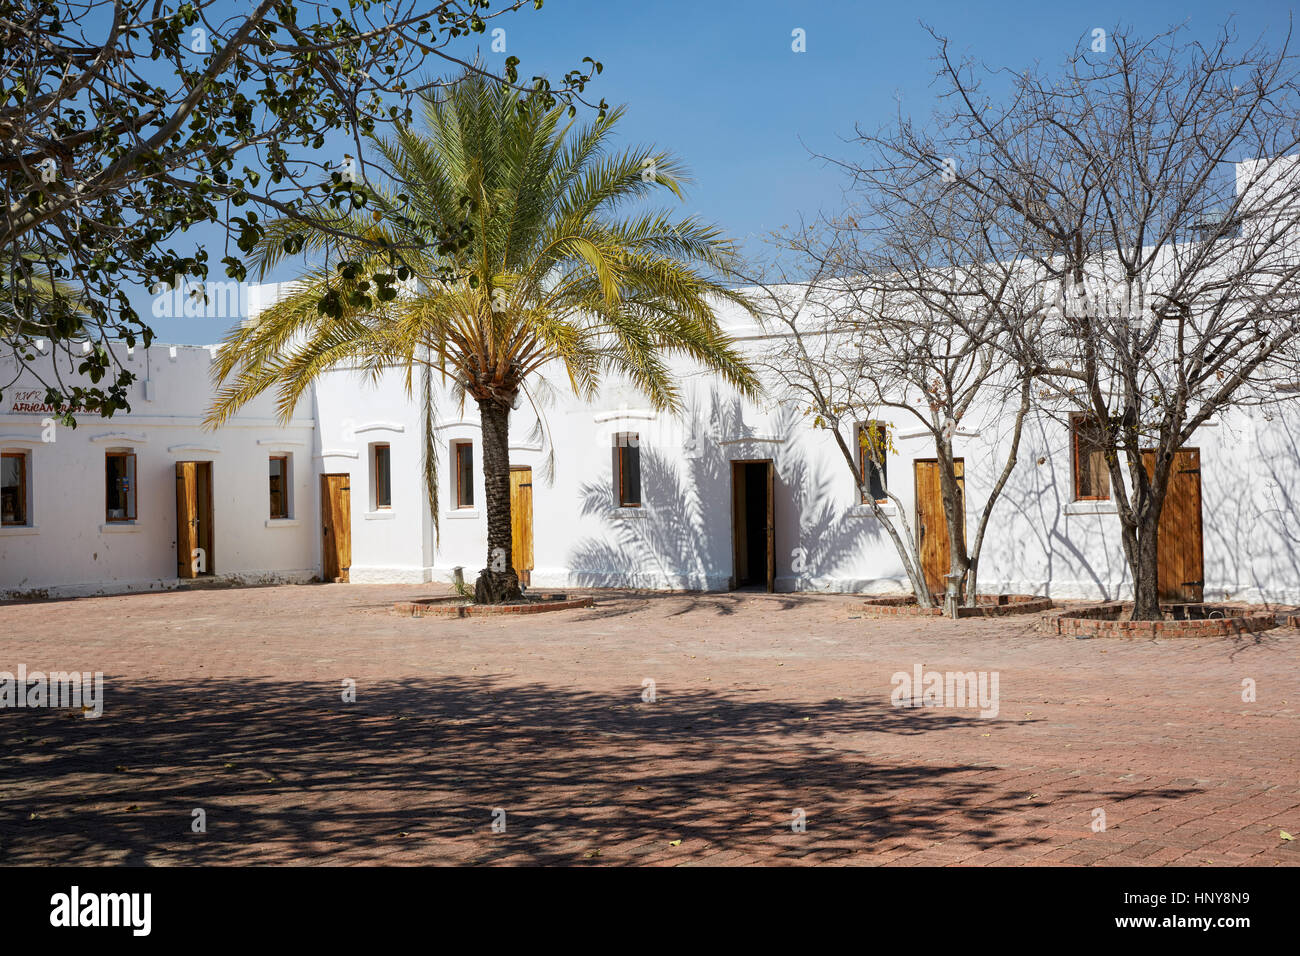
{"x": 465, "y": 475}
{"x": 279, "y": 507}
{"x": 128, "y": 487}
{"x": 1091, "y": 476}
{"x": 872, "y": 444}
{"x": 383, "y": 484}
{"x": 629, "y": 469}
{"x": 1098, "y": 475}
{"x": 117, "y": 482}
{"x": 876, "y": 475}
{"x": 13, "y": 489}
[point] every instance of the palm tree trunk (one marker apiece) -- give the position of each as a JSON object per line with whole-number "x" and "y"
{"x": 497, "y": 583}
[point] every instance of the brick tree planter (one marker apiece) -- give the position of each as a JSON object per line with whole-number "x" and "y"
{"x": 1180, "y": 620}
{"x": 990, "y": 605}
{"x": 456, "y": 606}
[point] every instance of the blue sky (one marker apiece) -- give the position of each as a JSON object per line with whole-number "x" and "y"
{"x": 718, "y": 83}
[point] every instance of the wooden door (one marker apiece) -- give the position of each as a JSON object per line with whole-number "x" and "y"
{"x": 739, "y": 527}
{"x": 336, "y": 527}
{"x": 521, "y": 522}
{"x": 1180, "y": 556}
{"x": 187, "y": 517}
{"x": 932, "y": 542}
{"x": 203, "y": 486}
{"x": 771, "y": 528}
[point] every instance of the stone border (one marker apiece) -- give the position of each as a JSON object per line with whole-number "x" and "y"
{"x": 448, "y": 607}
{"x": 991, "y": 605}
{"x": 1101, "y": 620}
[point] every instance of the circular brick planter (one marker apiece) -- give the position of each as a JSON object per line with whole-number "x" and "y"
{"x": 1180, "y": 620}
{"x": 457, "y": 606}
{"x": 990, "y": 605}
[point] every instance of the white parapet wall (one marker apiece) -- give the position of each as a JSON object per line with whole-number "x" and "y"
{"x": 70, "y": 545}
{"x": 680, "y": 537}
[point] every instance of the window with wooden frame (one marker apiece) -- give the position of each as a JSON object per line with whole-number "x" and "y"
{"x": 462, "y": 458}
{"x": 381, "y": 461}
{"x": 627, "y": 469}
{"x": 13, "y": 489}
{"x": 119, "y": 479}
{"x": 1091, "y": 474}
{"x": 873, "y": 445}
{"x": 279, "y": 468}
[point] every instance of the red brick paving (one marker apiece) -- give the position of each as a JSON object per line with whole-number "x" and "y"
{"x": 230, "y": 701}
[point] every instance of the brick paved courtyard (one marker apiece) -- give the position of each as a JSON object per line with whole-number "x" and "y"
{"x": 230, "y": 701}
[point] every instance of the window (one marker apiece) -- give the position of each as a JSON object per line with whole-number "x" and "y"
{"x": 279, "y": 486}
{"x": 1091, "y": 475}
{"x": 873, "y": 446}
{"x": 627, "y": 469}
{"x": 119, "y": 474}
{"x": 13, "y": 488}
{"x": 383, "y": 483}
{"x": 463, "y": 466}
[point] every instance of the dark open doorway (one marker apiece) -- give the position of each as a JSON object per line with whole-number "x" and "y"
{"x": 753, "y": 524}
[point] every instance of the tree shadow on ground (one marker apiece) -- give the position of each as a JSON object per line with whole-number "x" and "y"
{"x": 413, "y": 772}
{"x": 613, "y": 602}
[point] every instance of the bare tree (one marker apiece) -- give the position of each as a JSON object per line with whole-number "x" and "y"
{"x": 809, "y": 365}
{"x": 917, "y": 304}
{"x": 1158, "y": 183}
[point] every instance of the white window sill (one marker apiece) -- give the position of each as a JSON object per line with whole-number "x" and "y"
{"x": 864, "y": 511}
{"x": 17, "y": 529}
{"x": 461, "y": 513}
{"x": 121, "y": 527}
{"x": 1090, "y": 508}
{"x": 634, "y": 514}
{"x": 383, "y": 514}
{"x": 282, "y": 522}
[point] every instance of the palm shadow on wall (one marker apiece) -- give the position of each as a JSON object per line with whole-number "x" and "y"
{"x": 413, "y": 771}
{"x": 682, "y": 534}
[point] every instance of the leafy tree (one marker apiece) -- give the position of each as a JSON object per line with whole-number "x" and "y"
{"x": 553, "y": 276}
{"x": 124, "y": 123}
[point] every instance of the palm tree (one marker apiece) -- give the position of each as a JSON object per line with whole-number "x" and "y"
{"x": 34, "y": 303}
{"x": 551, "y": 273}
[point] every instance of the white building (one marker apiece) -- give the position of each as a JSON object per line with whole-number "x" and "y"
{"x": 97, "y": 509}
